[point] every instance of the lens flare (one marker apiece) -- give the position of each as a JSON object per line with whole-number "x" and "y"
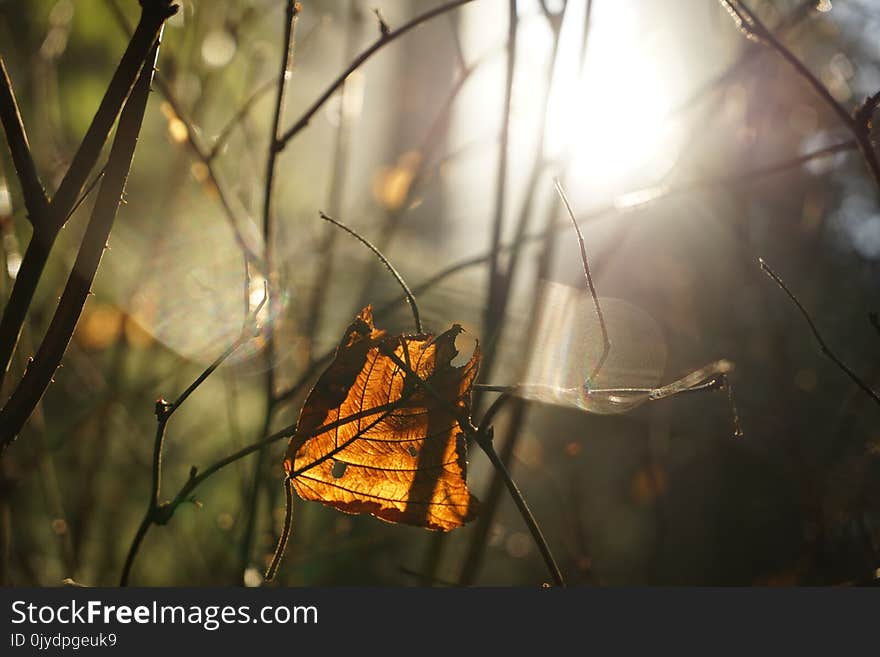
{"x": 568, "y": 345}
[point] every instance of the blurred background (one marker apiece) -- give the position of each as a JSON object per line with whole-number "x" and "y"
{"x": 687, "y": 152}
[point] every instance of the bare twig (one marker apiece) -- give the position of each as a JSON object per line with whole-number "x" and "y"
{"x": 158, "y": 512}
{"x": 204, "y": 156}
{"x": 384, "y": 30}
{"x": 88, "y": 190}
{"x": 285, "y": 531}
{"x": 793, "y": 19}
{"x": 496, "y": 285}
{"x": 606, "y": 342}
{"x": 291, "y": 13}
{"x": 410, "y": 299}
{"x": 484, "y": 440}
{"x": 857, "y": 122}
{"x": 485, "y": 443}
{"x": 153, "y": 16}
{"x": 238, "y": 117}
{"x": 382, "y": 41}
{"x": 875, "y": 321}
{"x": 429, "y": 145}
{"x": 632, "y": 201}
{"x": 818, "y": 336}
{"x": 324, "y": 267}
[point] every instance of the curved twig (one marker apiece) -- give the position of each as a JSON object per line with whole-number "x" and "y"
{"x": 823, "y": 346}
{"x": 382, "y": 41}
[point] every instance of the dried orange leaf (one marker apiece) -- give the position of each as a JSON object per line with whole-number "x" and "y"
{"x": 371, "y": 439}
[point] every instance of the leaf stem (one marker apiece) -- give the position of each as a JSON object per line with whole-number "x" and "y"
{"x": 484, "y": 440}
{"x": 410, "y": 299}
{"x": 285, "y": 532}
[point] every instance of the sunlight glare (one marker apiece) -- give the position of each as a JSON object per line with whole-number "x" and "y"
{"x": 608, "y": 115}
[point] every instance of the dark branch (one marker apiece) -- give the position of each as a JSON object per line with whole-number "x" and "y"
{"x": 35, "y": 200}
{"x": 752, "y": 26}
{"x": 39, "y": 373}
{"x": 158, "y": 512}
{"x": 819, "y": 339}
{"x": 37, "y": 254}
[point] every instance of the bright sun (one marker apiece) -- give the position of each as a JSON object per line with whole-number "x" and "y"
{"x": 611, "y": 113}
{"x": 607, "y": 113}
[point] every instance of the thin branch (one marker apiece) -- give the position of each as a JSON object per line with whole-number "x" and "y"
{"x": 158, "y": 512}
{"x": 420, "y": 174}
{"x": 384, "y": 30}
{"x": 858, "y": 123}
{"x": 818, "y": 336}
{"x": 88, "y": 190}
{"x": 494, "y": 303}
{"x": 40, "y": 371}
{"x": 619, "y": 206}
{"x": 793, "y": 19}
{"x": 153, "y": 15}
{"x": 201, "y": 154}
{"x": 291, "y": 14}
{"x": 239, "y": 116}
{"x": 410, "y": 299}
{"x": 606, "y": 342}
{"x": 540, "y": 164}
{"x": 35, "y": 201}
{"x": 485, "y": 443}
{"x": 323, "y": 275}
{"x": 875, "y": 321}
{"x": 285, "y": 531}
{"x": 381, "y": 42}
{"x": 647, "y": 197}
{"x": 484, "y": 440}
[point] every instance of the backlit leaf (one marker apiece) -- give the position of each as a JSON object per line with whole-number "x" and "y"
{"x": 371, "y": 439}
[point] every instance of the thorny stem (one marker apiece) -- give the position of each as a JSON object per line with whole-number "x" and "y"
{"x": 40, "y": 371}
{"x": 819, "y": 339}
{"x": 47, "y": 226}
{"x": 35, "y": 200}
{"x": 382, "y": 41}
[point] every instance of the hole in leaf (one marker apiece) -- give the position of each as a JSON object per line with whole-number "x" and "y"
{"x": 338, "y": 469}
{"x": 412, "y": 450}
{"x": 466, "y": 344}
